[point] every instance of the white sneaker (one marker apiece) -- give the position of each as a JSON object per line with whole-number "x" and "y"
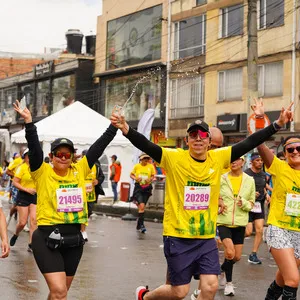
{"x": 195, "y": 294}
{"x": 222, "y": 281}
{"x": 229, "y": 290}
{"x": 26, "y": 229}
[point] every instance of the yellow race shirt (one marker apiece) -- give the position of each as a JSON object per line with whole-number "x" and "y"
{"x": 49, "y": 184}
{"x": 144, "y": 172}
{"x": 90, "y": 189}
{"x": 287, "y": 182}
{"x": 236, "y": 182}
{"x": 191, "y": 185}
{"x": 14, "y": 164}
{"x": 23, "y": 173}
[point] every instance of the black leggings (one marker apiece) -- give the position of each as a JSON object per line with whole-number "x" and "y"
{"x": 57, "y": 260}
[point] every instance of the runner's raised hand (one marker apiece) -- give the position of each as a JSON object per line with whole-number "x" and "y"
{"x": 24, "y": 113}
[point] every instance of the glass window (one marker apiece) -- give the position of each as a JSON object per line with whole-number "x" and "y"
{"x": 271, "y": 13}
{"x": 63, "y": 92}
{"x": 190, "y": 37}
{"x": 134, "y": 39}
{"x": 28, "y": 93}
{"x": 200, "y": 2}
{"x": 42, "y": 98}
{"x": 187, "y": 98}
{"x": 230, "y": 84}
{"x": 10, "y": 95}
{"x": 146, "y": 94}
{"x": 232, "y": 19}
{"x": 270, "y": 79}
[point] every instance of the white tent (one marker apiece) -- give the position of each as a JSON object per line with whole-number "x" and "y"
{"x": 83, "y": 126}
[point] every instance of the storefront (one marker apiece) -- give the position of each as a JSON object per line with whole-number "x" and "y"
{"x": 47, "y": 89}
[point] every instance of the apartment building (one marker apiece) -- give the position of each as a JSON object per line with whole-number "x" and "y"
{"x": 130, "y": 61}
{"x": 208, "y": 78}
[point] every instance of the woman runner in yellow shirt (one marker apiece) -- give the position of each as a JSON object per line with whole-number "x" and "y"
{"x": 26, "y": 199}
{"x": 57, "y": 243}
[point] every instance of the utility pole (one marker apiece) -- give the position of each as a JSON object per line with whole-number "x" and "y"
{"x": 252, "y": 91}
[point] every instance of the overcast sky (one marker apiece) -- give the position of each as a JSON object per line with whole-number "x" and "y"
{"x": 31, "y": 25}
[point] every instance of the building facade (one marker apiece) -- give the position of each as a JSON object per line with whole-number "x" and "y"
{"x": 209, "y": 64}
{"x": 130, "y": 61}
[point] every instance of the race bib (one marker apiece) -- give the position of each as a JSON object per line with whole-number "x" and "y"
{"x": 292, "y": 205}
{"x": 69, "y": 199}
{"x": 88, "y": 187}
{"x": 196, "y": 197}
{"x": 256, "y": 208}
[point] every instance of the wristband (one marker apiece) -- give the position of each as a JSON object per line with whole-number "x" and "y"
{"x": 276, "y": 126}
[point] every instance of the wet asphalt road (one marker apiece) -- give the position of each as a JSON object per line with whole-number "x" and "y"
{"x": 115, "y": 261}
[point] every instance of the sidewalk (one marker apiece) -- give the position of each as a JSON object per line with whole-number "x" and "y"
{"x": 120, "y": 208}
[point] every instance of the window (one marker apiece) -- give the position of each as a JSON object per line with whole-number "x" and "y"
{"x": 10, "y": 95}
{"x": 143, "y": 94}
{"x": 200, "y": 2}
{"x": 231, "y": 21}
{"x": 187, "y": 98}
{"x": 28, "y": 93}
{"x": 270, "y": 77}
{"x": 270, "y": 13}
{"x": 134, "y": 39}
{"x": 230, "y": 84}
{"x": 190, "y": 37}
{"x": 63, "y": 92}
{"x": 42, "y": 98}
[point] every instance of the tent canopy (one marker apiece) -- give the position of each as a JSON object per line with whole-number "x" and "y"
{"x": 76, "y": 122}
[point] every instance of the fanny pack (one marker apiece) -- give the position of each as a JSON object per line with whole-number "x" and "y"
{"x": 56, "y": 240}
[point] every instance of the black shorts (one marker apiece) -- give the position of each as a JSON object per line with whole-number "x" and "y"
{"x": 256, "y": 216}
{"x": 25, "y": 199}
{"x": 236, "y": 234}
{"x": 57, "y": 260}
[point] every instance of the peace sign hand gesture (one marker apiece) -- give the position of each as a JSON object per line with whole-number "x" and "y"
{"x": 286, "y": 115}
{"x": 24, "y": 113}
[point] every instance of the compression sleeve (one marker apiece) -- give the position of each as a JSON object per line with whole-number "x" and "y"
{"x": 96, "y": 150}
{"x": 35, "y": 150}
{"x": 141, "y": 142}
{"x": 252, "y": 141}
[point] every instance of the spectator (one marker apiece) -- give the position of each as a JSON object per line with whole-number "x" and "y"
{"x": 115, "y": 175}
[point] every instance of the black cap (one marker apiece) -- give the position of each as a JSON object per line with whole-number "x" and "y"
{"x": 62, "y": 142}
{"x": 84, "y": 152}
{"x": 198, "y": 124}
{"x": 114, "y": 157}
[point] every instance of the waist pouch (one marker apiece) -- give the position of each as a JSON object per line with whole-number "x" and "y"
{"x": 65, "y": 241}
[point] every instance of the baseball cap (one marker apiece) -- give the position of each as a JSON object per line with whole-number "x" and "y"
{"x": 15, "y": 154}
{"x": 198, "y": 124}
{"x": 84, "y": 152}
{"x": 114, "y": 156}
{"x": 62, "y": 142}
{"x": 25, "y": 152}
{"x": 144, "y": 155}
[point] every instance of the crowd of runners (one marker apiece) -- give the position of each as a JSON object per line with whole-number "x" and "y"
{"x": 209, "y": 202}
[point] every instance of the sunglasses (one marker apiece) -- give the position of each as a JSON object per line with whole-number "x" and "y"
{"x": 202, "y": 134}
{"x": 292, "y": 149}
{"x": 59, "y": 154}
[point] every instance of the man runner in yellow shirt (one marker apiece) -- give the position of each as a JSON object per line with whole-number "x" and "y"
{"x": 191, "y": 204}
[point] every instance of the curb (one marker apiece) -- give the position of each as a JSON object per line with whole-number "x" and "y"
{"x": 151, "y": 215}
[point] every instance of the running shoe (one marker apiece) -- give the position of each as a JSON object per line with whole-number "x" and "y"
{"x": 13, "y": 240}
{"x": 26, "y": 229}
{"x": 143, "y": 229}
{"x": 29, "y": 249}
{"x": 222, "y": 281}
{"x": 229, "y": 290}
{"x": 140, "y": 292}
{"x": 253, "y": 259}
{"x": 195, "y": 294}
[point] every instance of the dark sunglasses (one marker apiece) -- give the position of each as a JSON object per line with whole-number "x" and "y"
{"x": 202, "y": 134}
{"x": 59, "y": 154}
{"x": 292, "y": 149}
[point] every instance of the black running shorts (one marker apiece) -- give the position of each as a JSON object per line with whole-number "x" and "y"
{"x": 58, "y": 260}
{"x": 236, "y": 234}
{"x": 25, "y": 199}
